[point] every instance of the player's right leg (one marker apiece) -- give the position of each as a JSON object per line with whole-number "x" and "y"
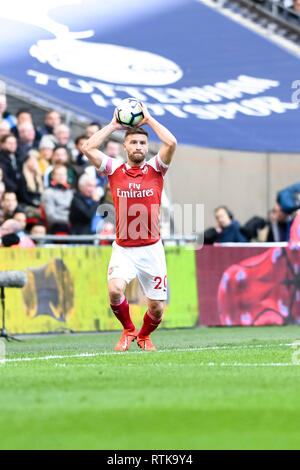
{"x": 120, "y": 307}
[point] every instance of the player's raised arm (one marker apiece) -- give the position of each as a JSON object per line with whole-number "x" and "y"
{"x": 91, "y": 147}
{"x": 168, "y": 148}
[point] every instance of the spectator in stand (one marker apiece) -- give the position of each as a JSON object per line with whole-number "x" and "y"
{"x": 12, "y": 227}
{"x": 296, "y": 6}
{"x": 77, "y": 156}
{"x": 293, "y": 11}
{"x": 92, "y": 128}
{"x": 10, "y": 205}
{"x": 108, "y": 195}
{"x": 84, "y": 206}
{"x": 79, "y": 161}
{"x": 3, "y": 112}
{"x": 269, "y": 232}
{"x": 10, "y": 240}
{"x": 45, "y": 155}
{"x": 279, "y": 225}
{"x": 24, "y": 115}
{"x": 2, "y": 191}
{"x": 10, "y": 163}
{"x": 38, "y": 229}
{"x": 61, "y": 136}
{"x": 227, "y": 229}
{"x": 4, "y": 129}
{"x": 108, "y": 230}
{"x": 31, "y": 185}
{"x": 111, "y": 149}
{"x": 52, "y": 120}
{"x": 27, "y": 140}
{"x": 59, "y": 156}
{"x": 56, "y": 201}
{"x": 254, "y": 229}
{"x": 20, "y": 216}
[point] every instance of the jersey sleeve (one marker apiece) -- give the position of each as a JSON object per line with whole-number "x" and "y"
{"x": 109, "y": 165}
{"x": 158, "y": 165}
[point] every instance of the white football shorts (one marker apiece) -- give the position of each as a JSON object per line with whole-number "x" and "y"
{"x": 147, "y": 263}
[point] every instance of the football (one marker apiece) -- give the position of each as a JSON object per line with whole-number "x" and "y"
{"x": 129, "y": 112}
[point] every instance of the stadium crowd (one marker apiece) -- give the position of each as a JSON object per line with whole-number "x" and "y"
{"x": 288, "y": 9}
{"x": 276, "y": 228}
{"x": 47, "y": 185}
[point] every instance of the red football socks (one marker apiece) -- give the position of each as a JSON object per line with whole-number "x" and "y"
{"x": 150, "y": 324}
{"x": 121, "y": 310}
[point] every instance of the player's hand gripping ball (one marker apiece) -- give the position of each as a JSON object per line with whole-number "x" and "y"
{"x": 129, "y": 112}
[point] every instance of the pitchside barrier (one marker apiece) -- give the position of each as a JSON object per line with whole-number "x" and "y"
{"x": 67, "y": 289}
{"x": 239, "y": 284}
{"x": 249, "y": 284}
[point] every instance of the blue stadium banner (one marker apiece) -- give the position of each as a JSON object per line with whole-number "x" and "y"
{"x": 213, "y": 82}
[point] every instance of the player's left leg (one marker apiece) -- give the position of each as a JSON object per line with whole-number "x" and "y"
{"x": 120, "y": 272}
{"x": 152, "y": 275}
{"x": 152, "y": 319}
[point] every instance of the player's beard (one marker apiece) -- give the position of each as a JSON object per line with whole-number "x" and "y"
{"x": 136, "y": 158}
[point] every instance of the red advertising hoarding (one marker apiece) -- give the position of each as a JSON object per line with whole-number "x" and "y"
{"x": 248, "y": 285}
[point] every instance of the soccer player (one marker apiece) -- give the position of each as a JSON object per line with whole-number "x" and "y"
{"x": 136, "y": 188}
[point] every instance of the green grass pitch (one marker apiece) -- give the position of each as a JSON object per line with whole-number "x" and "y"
{"x": 205, "y": 388}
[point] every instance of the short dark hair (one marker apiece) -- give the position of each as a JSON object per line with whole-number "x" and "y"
{"x": 8, "y": 192}
{"x": 136, "y": 130}
{"x": 6, "y": 136}
{"x": 228, "y": 211}
{"x": 94, "y": 123}
{"x": 52, "y": 111}
{"x": 23, "y": 110}
{"x": 60, "y": 147}
{"x": 19, "y": 211}
{"x": 77, "y": 140}
{"x": 10, "y": 239}
{"x": 38, "y": 221}
{"x": 58, "y": 166}
{"x": 110, "y": 140}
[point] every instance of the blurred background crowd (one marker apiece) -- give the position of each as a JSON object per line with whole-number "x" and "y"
{"x": 47, "y": 186}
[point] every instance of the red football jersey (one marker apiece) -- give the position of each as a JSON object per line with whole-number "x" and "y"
{"x": 136, "y": 193}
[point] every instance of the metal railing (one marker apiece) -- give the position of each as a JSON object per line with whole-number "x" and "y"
{"x": 71, "y": 113}
{"x": 97, "y": 239}
{"x": 45, "y": 101}
{"x": 273, "y": 11}
{"x": 279, "y": 11}
{"x": 256, "y": 244}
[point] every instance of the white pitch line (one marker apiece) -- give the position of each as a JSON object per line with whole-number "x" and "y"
{"x": 241, "y": 364}
{"x": 112, "y": 353}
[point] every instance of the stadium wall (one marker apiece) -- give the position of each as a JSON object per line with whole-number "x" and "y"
{"x": 212, "y": 286}
{"x": 247, "y": 182}
{"x": 67, "y": 288}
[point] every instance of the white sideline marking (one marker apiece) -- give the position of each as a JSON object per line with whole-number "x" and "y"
{"x": 112, "y": 353}
{"x": 241, "y": 364}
